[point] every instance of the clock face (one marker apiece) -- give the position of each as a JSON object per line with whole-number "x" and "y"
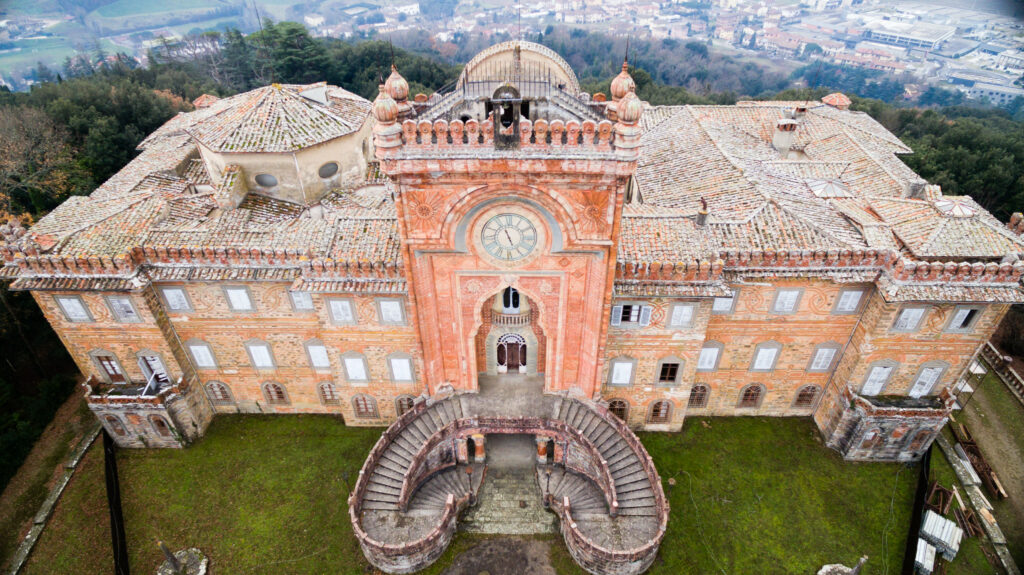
{"x": 509, "y": 237}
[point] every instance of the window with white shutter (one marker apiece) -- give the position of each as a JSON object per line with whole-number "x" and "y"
{"x": 391, "y": 311}
{"x": 926, "y": 380}
{"x": 301, "y": 300}
{"x": 963, "y": 319}
{"x": 708, "y": 359}
{"x": 176, "y": 299}
{"x": 202, "y": 355}
{"x": 355, "y": 368}
{"x": 74, "y": 308}
{"x": 617, "y": 315}
{"x": 822, "y": 359}
{"x": 876, "y": 380}
{"x": 341, "y": 311}
{"x": 722, "y": 305}
{"x": 622, "y": 373}
{"x": 645, "y": 315}
{"x": 260, "y": 354}
{"x": 908, "y": 319}
{"x": 765, "y": 356}
{"x": 122, "y": 308}
{"x": 849, "y": 301}
{"x": 318, "y": 356}
{"x": 681, "y": 315}
{"x": 401, "y": 368}
{"x": 786, "y": 300}
{"x": 238, "y": 299}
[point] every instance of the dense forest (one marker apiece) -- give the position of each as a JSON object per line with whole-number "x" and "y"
{"x": 72, "y": 132}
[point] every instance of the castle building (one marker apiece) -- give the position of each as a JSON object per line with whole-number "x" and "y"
{"x": 298, "y": 249}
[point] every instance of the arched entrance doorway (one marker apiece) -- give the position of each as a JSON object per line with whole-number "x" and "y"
{"x": 511, "y": 353}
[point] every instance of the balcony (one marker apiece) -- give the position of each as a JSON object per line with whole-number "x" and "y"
{"x": 151, "y": 391}
{"x": 510, "y": 319}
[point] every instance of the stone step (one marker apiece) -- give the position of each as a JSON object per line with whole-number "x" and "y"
{"x": 633, "y": 503}
{"x": 381, "y": 470}
{"x": 638, "y": 494}
{"x": 434, "y": 414}
{"x": 374, "y": 485}
{"x": 382, "y": 479}
{"x": 392, "y": 465}
{"x": 379, "y": 505}
{"x": 621, "y": 460}
{"x": 595, "y": 424}
{"x": 443, "y": 413}
{"x": 637, "y": 485}
{"x": 628, "y": 476}
{"x": 648, "y": 511}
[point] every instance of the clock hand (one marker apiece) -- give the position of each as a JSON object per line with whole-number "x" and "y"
{"x": 510, "y": 243}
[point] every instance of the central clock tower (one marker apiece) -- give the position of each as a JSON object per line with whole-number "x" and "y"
{"x": 488, "y": 201}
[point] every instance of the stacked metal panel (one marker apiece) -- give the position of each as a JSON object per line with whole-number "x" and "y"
{"x": 924, "y": 559}
{"x": 944, "y": 534}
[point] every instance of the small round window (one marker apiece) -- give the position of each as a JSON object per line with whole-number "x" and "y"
{"x": 329, "y": 169}
{"x": 266, "y": 180}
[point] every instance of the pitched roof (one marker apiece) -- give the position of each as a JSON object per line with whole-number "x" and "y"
{"x": 947, "y": 227}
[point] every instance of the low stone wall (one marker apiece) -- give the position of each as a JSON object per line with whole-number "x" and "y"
{"x": 597, "y": 559}
{"x": 411, "y": 556}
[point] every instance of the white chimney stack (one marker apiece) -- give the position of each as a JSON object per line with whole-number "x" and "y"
{"x": 782, "y": 139}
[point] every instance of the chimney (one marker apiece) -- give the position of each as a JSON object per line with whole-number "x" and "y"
{"x": 782, "y": 139}
{"x": 702, "y": 214}
{"x": 799, "y": 111}
{"x": 1016, "y": 224}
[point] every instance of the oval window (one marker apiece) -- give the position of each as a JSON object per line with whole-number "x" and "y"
{"x": 329, "y": 169}
{"x": 266, "y": 180}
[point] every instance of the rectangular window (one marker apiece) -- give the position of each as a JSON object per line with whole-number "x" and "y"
{"x": 765, "y": 359}
{"x": 682, "y": 315}
{"x": 963, "y": 319}
{"x": 925, "y": 381}
{"x": 908, "y": 319}
{"x": 823, "y": 357}
{"x": 74, "y": 308}
{"x": 723, "y": 305}
{"x": 154, "y": 368}
{"x": 356, "y": 369}
{"x": 261, "y": 358}
{"x": 318, "y": 356}
{"x": 708, "y": 359}
{"x": 849, "y": 301}
{"x": 391, "y": 311}
{"x": 238, "y": 299}
{"x": 176, "y": 299}
{"x": 302, "y": 300}
{"x": 631, "y": 315}
{"x": 342, "y": 312}
{"x": 401, "y": 369}
{"x": 786, "y": 300}
{"x": 669, "y": 372}
{"x": 203, "y": 355}
{"x": 122, "y": 308}
{"x": 622, "y": 373}
{"x": 876, "y": 380}
{"x": 111, "y": 368}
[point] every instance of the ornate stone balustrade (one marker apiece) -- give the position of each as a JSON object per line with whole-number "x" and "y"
{"x": 597, "y": 559}
{"x": 540, "y": 135}
{"x": 510, "y": 319}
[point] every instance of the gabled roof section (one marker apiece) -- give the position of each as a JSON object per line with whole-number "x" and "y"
{"x": 281, "y": 118}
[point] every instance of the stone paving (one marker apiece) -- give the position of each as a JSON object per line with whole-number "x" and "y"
{"x": 510, "y": 501}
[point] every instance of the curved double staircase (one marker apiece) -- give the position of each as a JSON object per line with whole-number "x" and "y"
{"x": 602, "y": 483}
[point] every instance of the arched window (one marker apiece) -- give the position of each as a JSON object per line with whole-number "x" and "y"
{"x": 510, "y": 300}
{"x": 275, "y": 394}
{"x": 661, "y": 412}
{"x": 219, "y": 393}
{"x": 918, "y": 440}
{"x": 328, "y": 394}
{"x": 806, "y": 396}
{"x": 698, "y": 397}
{"x": 751, "y": 395}
{"x": 619, "y": 408}
{"x": 404, "y": 403}
{"x": 160, "y": 425}
{"x": 364, "y": 406}
{"x": 115, "y": 425}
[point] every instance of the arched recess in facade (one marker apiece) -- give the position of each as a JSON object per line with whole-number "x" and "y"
{"x": 554, "y": 210}
{"x": 494, "y": 325}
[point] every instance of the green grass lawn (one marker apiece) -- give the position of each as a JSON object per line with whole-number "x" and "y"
{"x": 122, "y": 8}
{"x": 265, "y": 495}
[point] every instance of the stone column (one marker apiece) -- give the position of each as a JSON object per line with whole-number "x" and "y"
{"x": 480, "y": 456}
{"x": 461, "y": 450}
{"x": 542, "y": 449}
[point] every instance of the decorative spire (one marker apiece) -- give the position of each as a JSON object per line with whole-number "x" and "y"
{"x": 623, "y": 83}
{"x": 385, "y": 109}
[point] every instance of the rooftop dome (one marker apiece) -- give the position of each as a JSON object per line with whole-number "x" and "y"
{"x": 622, "y": 84}
{"x": 396, "y": 86}
{"x": 502, "y": 62}
{"x": 385, "y": 109}
{"x": 837, "y": 100}
{"x": 630, "y": 108}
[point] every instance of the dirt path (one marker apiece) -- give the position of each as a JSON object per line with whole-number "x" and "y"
{"x": 996, "y": 419}
{"x": 504, "y": 556}
{"x": 30, "y": 485}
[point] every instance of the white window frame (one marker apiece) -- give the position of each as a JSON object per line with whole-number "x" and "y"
{"x": 732, "y": 303}
{"x": 382, "y": 302}
{"x": 167, "y": 301}
{"x": 672, "y": 314}
{"x": 916, "y": 391}
{"x": 295, "y": 304}
{"x": 979, "y": 310}
{"x": 235, "y": 289}
{"x": 893, "y": 367}
{"x": 393, "y": 373}
{"x": 643, "y": 315}
{"x": 252, "y": 345}
{"x": 316, "y": 343}
{"x": 63, "y": 301}
{"x": 836, "y": 310}
{"x": 719, "y": 351}
{"x": 351, "y": 308}
{"x": 355, "y": 356}
{"x": 798, "y": 296}
{"x": 622, "y": 360}
{"x": 831, "y": 345}
{"x": 116, "y": 313}
{"x": 144, "y": 365}
{"x": 209, "y": 349}
{"x": 917, "y": 325}
{"x": 774, "y": 346}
